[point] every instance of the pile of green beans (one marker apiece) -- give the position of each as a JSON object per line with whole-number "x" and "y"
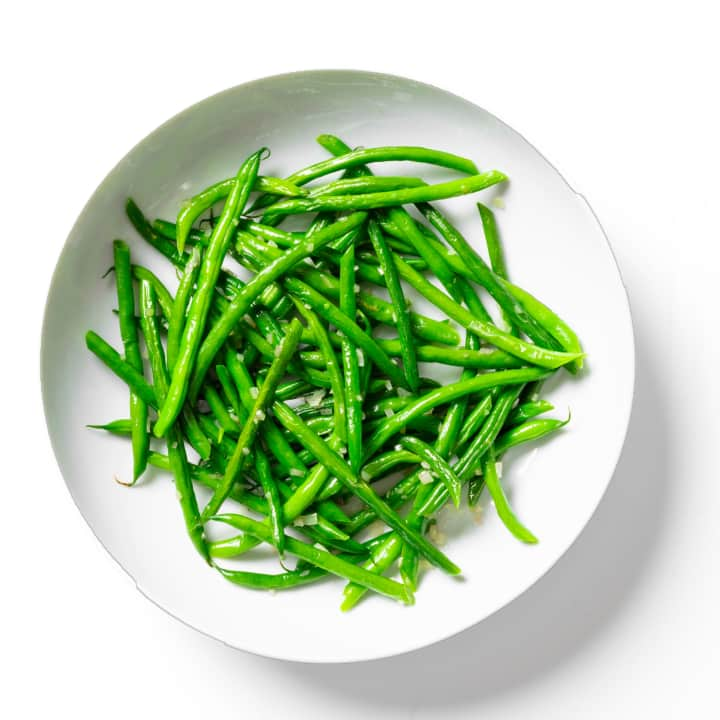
{"x": 287, "y": 409}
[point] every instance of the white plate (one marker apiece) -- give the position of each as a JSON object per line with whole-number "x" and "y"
{"x": 555, "y": 248}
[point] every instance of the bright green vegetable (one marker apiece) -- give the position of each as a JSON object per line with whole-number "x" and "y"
{"x": 175, "y": 443}
{"x": 200, "y": 306}
{"x": 304, "y": 393}
{"x": 256, "y": 417}
{"x": 129, "y": 336}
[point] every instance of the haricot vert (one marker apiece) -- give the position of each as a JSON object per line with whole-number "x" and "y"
{"x": 309, "y": 390}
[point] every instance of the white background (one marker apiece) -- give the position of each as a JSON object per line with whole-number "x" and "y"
{"x": 623, "y": 99}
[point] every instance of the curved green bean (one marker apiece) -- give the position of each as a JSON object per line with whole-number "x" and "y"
{"x": 115, "y": 427}
{"x": 530, "y": 430}
{"x": 482, "y": 274}
{"x": 364, "y": 184}
{"x": 126, "y": 372}
{"x": 129, "y": 337}
{"x": 400, "y": 306}
{"x": 533, "y": 354}
{"x": 175, "y": 443}
{"x": 555, "y": 325}
{"x": 272, "y": 496}
{"x": 176, "y": 321}
{"x": 527, "y": 410}
{"x": 435, "y": 463}
{"x": 193, "y": 208}
{"x": 474, "y": 420}
{"x": 278, "y": 581}
{"x": 331, "y": 365}
{"x": 350, "y": 363}
{"x": 372, "y": 201}
{"x": 207, "y": 278}
{"x": 502, "y": 506}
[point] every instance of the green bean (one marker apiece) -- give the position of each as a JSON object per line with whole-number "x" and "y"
{"x": 392, "y": 425}
{"x": 353, "y": 160}
{"x": 322, "y": 559}
{"x": 435, "y": 261}
{"x": 527, "y": 410}
{"x": 196, "y": 437}
{"x": 374, "y": 200}
{"x": 331, "y": 364}
{"x": 502, "y": 506}
{"x": 115, "y": 427}
{"x": 230, "y": 392}
{"x": 151, "y": 236}
{"x": 175, "y": 444}
{"x": 370, "y": 271}
{"x": 381, "y": 559}
{"x": 220, "y": 411}
{"x": 555, "y": 325}
{"x": 306, "y": 493}
{"x": 410, "y": 562}
{"x": 274, "y": 439}
{"x": 359, "y": 487}
{"x": 482, "y": 274}
{"x": 242, "y": 301}
{"x": 363, "y": 156}
{"x": 194, "y": 434}
{"x": 393, "y": 404}
{"x": 530, "y": 430}
{"x": 334, "y": 316}
{"x": 279, "y": 581}
{"x": 474, "y": 419}
{"x": 322, "y": 425}
{"x": 452, "y": 424}
{"x": 192, "y": 209}
{"x": 164, "y": 298}
{"x": 129, "y": 336}
{"x": 479, "y": 359}
{"x": 397, "y": 297}
{"x": 176, "y": 321}
{"x": 427, "y": 424}
{"x": 380, "y": 465}
{"x": 350, "y": 363}
{"x": 435, "y": 463}
{"x": 492, "y": 240}
{"x": 256, "y": 417}
{"x": 364, "y": 184}
{"x": 272, "y": 495}
{"x": 207, "y": 278}
{"x": 292, "y": 389}
{"x": 504, "y": 341}
{"x": 126, "y": 372}
{"x": 483, "y": 441}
